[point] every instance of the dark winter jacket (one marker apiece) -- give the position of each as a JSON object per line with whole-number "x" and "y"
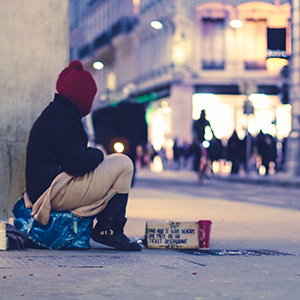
{"x": 199, "y": 128}
{"x": 57, "y": 143}
{"x": 234, "y": 147}
{"x": 266, "y": 147}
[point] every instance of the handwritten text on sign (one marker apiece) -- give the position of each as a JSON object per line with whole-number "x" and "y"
{"x": 172, "y": 235}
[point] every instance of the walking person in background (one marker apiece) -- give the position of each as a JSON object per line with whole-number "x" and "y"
{"x": 266, "y": 148}
{"x": 247, "y": 150}
{"x": 198, "y": 130}
{"x": 215, "y": 150}
{"x": 177, "y": 153}
{"x": 234, "y": 147}
{"x": 199, "y": 127}
{"x": 64, "y": 174}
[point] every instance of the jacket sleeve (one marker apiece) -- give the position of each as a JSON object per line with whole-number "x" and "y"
{"x": 69, "y": 138}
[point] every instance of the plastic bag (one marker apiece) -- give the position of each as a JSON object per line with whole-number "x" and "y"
{"x": 63, "y": 231}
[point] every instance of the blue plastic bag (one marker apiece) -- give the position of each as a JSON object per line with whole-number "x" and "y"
{"x": 63, "y": 231}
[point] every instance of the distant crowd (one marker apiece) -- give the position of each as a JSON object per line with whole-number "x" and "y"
{"x": 262, "y": 153}
{"x": 263, "y": 150}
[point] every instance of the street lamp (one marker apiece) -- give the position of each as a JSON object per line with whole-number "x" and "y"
{"x": 156, "y": 24}
{"x": 98, "y": 65}
{"x": 236, "y": 23}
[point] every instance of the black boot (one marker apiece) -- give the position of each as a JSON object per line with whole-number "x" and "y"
{"x": 110, "y": 226}
{"x": 114, "y": 237}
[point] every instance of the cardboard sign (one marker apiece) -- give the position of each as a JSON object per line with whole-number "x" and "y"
{"x": 172, "y": 235}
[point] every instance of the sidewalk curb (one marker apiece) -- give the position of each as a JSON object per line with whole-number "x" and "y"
{"x": 282, "y": 182}
{"x": 189, "y": 178}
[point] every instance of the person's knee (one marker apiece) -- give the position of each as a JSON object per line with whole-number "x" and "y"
{"x": 125, "y": 161}
{"x": 128, "y": 163}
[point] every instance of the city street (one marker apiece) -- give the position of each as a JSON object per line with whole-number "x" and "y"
{"x": 174, "y": 85}
{"x": 254, "y": 251}
{"x": 185, "y": 182}
{"x": 242, "y": 214}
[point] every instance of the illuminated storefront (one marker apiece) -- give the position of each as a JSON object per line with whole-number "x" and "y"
{"x": 226, "y": 114}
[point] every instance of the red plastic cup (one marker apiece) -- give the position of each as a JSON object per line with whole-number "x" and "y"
{"x": 204, "y": 233}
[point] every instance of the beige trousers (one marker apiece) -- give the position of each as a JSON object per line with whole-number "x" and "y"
{"x": 87, "y": 195}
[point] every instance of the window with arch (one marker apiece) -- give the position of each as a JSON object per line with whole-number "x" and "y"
{"x": 255, "y": 44}
{"x": 213, "y": 50}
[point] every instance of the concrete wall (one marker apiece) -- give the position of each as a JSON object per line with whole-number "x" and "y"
{"x": 34, "y": 47}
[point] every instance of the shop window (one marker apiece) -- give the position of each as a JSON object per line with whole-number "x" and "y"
{"x": 277, "y": 43}
{"x": 255, "y": 44}
{"x": 213, "y": 48}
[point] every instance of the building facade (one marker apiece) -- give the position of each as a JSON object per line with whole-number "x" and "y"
{"x": 193, "y": 58}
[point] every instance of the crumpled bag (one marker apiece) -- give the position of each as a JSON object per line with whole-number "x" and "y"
{"x": 63, "y": 231}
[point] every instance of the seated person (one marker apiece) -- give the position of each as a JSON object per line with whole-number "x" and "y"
{"x": 64, "y": 174}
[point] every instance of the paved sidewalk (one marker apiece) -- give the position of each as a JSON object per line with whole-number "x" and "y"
{"x": 255, "y": 251}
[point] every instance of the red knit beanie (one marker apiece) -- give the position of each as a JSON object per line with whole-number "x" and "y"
{"x": 77, "y": 85}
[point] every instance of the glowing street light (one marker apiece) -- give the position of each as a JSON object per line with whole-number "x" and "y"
{"x": 98, "y": 65}
{"x": 235, "y": 23}
{"x": 119, "y": 147}
{"x": 156, "y": 24}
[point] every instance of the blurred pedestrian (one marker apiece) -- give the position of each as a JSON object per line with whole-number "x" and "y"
{"x": 245, "y": 160}
{"x": 234, "y": 146}
{"x": 64, "y": 174}
{"x": 196, "y": 152}
{"x": 177, "y": 153}
{"x": 198, "y": 130}
{"x": 215, "y": 150}
{"x": 266, "y": 148}
{"x": 199, "y": 127}
{"x": 186, "y": 153}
